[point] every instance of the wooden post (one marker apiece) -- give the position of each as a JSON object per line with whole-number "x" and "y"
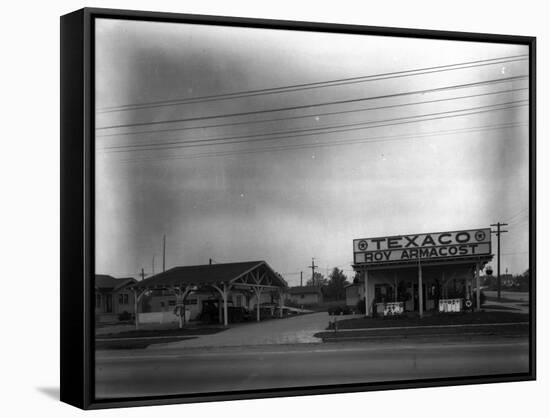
{"x": 225, "y": 292}
{"x": 258, "y": 299}
{"x": 420, "y": 291}
{"x": 478, "y": 290}
{"x": 222, "y": 310}
{"x": 137, "y": 297}
{"x": 281, "y": 303}
{"x": 179, "y": 303}
{"x": 366, "y": 274}
{"x": 136, "y": 313}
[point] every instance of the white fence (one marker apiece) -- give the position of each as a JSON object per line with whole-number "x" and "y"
{"x": 161, "y": 317}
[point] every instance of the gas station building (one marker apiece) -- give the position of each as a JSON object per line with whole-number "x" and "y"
{"x": 420, "y": 272}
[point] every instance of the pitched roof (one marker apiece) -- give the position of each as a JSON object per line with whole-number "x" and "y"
{"x": 301, "y": 290}
{"x": 208, "y": 274}
{"x": 106, "y": 282}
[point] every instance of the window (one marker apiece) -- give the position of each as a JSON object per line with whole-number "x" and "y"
{"x": 302, "y": 296}
{"x": 162, "y": 304}
{"x": 191, "y": 302}
{"x": 123, "y": 299}
{"x": 171, "y": 303}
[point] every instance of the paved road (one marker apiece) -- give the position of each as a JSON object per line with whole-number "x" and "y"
{"x": 517, "y": 301}
{"x": 519, "y": 296}
{"x": 178, "y": 371}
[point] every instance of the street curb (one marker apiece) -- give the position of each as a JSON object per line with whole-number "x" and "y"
{"x": 426, "y": 326}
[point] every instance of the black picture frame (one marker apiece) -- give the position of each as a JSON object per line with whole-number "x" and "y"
{"x": 77, "y": 204}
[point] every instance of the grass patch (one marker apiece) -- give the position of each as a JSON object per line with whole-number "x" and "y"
{"x": 134, "y": 344}
{"x": 434, "y": 319}
{"x": 501, "y": 307}
{"x": 175, "y": 332}
{"x": 502, "y": 300}
{"x": 514, "y": 330}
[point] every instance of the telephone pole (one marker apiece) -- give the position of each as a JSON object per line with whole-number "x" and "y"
{"x": 498, "y": 232}
{"x": 313, "y": 267}
{"x": 164, "y": 253}
{"x": 142, "y": 274}
{"x": 301, "y": 280}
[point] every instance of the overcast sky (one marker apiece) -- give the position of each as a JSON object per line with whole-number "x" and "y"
{"x": 332, "y": 173}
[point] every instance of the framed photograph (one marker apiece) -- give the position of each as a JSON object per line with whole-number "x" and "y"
{"x": 259, "y": 208}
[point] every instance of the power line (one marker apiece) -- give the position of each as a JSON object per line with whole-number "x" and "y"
{"x": 327, "y": 144}
{"x": 331, "y": 143}
{"x": 520, "y": 214}
{"x": 314, "y": 85}
{"x": 518, "y": 222}
{"x": 515, "y": 253}
{"x": 257, "y": 112}
{"x": 253, "y": 122}
{"x": 331, "y": 113}
{"x": 299, "y": 133}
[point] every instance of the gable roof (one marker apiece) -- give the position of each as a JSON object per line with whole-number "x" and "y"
{"x": 110, "y": 283}
{"x": 302, "y": 290}
{"x": 208, "y": 274}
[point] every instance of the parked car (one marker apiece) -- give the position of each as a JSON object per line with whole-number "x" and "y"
{"x": 211, "y": 312}
{"x": 339, "y": 310}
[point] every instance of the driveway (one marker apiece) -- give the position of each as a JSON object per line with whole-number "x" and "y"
{"x": 291, "y": 330}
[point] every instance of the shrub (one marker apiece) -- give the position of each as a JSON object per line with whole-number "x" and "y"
{"x": 361, "y": 306}
{"x": 124, "y": 316}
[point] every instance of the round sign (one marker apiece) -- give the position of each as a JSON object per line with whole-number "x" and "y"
{"x": 362, "y": 245}
{"x": 480, "y": 235}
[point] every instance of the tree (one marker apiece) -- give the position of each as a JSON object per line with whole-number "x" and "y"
{"x": 336, "y": 286}
{"x": 318, "y": 280}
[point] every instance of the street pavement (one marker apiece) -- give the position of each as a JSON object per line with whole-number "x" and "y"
{"x": 174, "y": 370}
{"x": 283, "y": 353}
{"x": 512, "y": 302}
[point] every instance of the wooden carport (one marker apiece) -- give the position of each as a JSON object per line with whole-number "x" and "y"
{"x": 256, "y": 276}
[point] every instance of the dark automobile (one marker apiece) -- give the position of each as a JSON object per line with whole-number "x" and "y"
{"x": 339, "y": 310}
{"x": 211, "y": 312}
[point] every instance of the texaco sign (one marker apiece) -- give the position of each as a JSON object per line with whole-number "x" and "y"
{"x": 435, "y": 245}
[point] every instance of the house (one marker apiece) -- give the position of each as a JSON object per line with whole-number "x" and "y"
{"x": 305, "y": 295}
{"x": 112, "y": 297}
{"x": 354, "y": 293}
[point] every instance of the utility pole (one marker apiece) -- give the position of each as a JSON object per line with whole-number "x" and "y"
{"x": 142, "y": 274}
{"x": 420, "y": 291}
{"x": 301, "y": 279}
{"x": 313, "y": 267}
{"x": 164, "y": 253}
{"x": 498, "y": 232}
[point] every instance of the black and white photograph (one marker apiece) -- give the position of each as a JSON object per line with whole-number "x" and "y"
{"x": 280, "y": 209}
